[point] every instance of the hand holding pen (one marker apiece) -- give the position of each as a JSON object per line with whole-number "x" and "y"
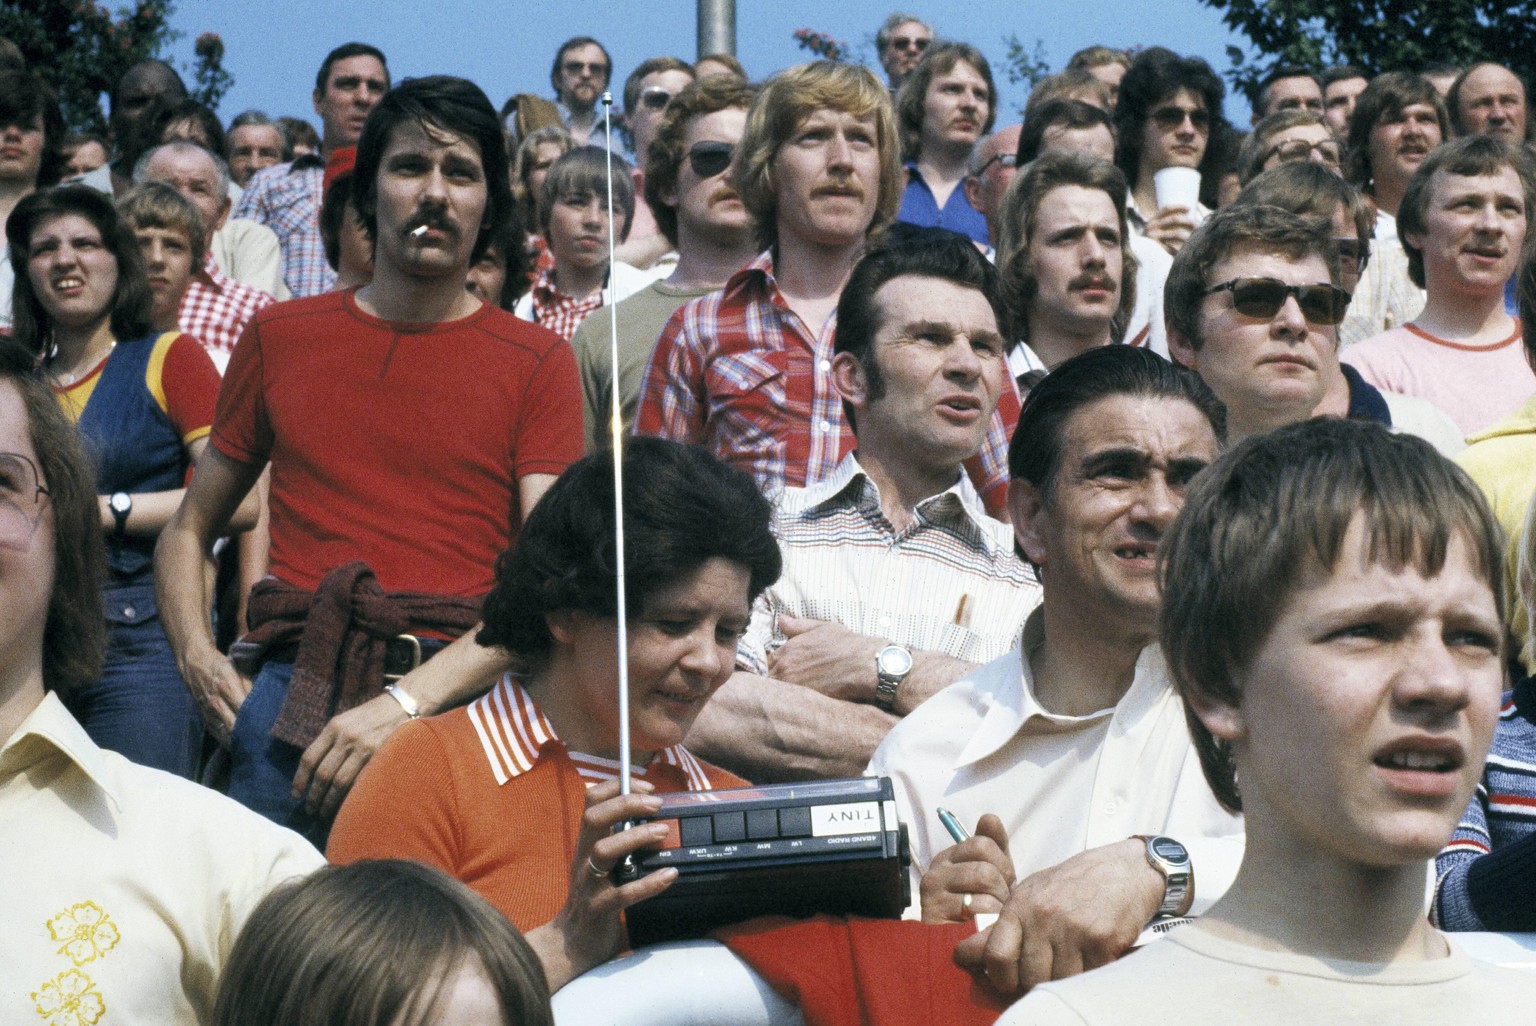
{"x": 970, "y": 878}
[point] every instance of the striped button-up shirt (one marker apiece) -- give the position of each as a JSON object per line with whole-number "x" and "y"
{"x": 286, "y": 198}
{"x": 949, "y": 583}
{"x": 739, "y": 372}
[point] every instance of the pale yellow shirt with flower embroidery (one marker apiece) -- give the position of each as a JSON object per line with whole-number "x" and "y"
{"x": 122, "y": 888}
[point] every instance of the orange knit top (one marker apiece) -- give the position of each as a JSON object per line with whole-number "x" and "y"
{"x": 488, "y": 794}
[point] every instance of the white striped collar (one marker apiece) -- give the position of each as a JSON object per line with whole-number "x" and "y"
{"x": 513, "y": 733}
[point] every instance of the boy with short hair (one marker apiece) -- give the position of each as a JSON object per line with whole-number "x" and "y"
{"x": 1332, "y": 617}
{"x": 173, "y": 240}
{"x": 573, "y": 216}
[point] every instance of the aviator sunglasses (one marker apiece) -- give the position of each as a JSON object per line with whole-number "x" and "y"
{"x": 710, "y": 158}
{"x": 1263, "y": 298}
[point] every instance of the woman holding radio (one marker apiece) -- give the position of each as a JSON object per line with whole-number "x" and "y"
{"x": 517, "y": 793}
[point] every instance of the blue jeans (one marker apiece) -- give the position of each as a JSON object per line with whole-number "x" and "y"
{"x": 140, "y": 707}
{"x": 261, "y": 767}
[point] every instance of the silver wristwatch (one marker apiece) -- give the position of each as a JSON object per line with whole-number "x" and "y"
{"x": 892, "y": 664}
{"x": 1171, "y": 859}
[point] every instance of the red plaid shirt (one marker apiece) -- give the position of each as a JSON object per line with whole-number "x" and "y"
{"x": 738, "y": 371}
{"x": 558, "y": 312}
{"x": 215, "y": 309}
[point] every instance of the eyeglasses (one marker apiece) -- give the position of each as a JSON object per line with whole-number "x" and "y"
{"x": 906, "y": 43}
{"x": 1009, "y": 160}
{"x": 655, "y": 98}
{"x": 1296, "y": 150}
{"x": 21, "y": 500}
{"x": 597, "y": 68}
{"x": 710, "y": 158}
{"x": 1170, "y": 118}
{"x": 1353, "y": 254}
{"x": 1263, "y": 298}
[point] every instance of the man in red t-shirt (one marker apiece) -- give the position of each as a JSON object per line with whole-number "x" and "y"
{"x": 409, "y": 427}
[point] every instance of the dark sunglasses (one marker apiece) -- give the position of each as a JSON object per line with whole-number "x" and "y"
{"x": 577, "y": 67}
{"x": 1263, "y": 298}
{"x": 903, "y": 43}
{"x": 710, "y": 158}
{"x": 1169, "y": 118}
{"x": 655, "y": 98}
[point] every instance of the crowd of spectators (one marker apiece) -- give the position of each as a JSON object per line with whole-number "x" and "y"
{"x": 1153, "y": 495}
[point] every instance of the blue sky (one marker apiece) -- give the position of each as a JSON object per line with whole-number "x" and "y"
{"x": 274, "y": 47}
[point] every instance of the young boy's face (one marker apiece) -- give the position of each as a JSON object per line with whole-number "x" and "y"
{"x": 1367, "y": 713}
{"x": 168, "y": 260}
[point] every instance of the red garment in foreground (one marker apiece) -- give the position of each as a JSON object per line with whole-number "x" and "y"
{"x": 866, "y": 972}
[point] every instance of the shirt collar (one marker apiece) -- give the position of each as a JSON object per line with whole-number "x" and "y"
{"x": 212, "y": 276}
{"x": 850, "y": 483}
{"x": 51, "y": 726}
{"x": 1010, "y": 705}
{"x": 513, "y": 734}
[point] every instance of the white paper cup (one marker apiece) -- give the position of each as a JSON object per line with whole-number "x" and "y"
{"x": 1177, "y": 187}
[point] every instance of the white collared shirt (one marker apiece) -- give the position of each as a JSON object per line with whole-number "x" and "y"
{"x": 124, "y": 887}
{"x": 1060, "y": 784}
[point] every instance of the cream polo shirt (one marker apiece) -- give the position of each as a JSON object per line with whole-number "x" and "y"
{"x": 1060, "y": 784}
{"x": 124, "y": 887}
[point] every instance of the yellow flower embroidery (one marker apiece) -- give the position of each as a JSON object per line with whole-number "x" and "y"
{"x": 70, "y": 999}
{"x": 86, "y": 930}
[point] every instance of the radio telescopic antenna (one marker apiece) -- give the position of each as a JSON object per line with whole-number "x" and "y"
{"x": 616, "y": 430}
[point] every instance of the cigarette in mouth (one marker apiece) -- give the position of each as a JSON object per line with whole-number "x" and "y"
{"x": 419, "y": 231}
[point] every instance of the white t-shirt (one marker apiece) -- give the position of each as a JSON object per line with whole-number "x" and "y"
{"x": 1193, "y": 978}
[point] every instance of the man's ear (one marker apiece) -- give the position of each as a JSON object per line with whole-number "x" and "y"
{"x": 1222, "y": 719}
{"x": 973, "y": 191}
{"x": 315, "y": 101}
{"x": 851, "y": 381}
{"x": 1180, "y": 348}
{"x": 223, "y": 217}
{"x": 1414, "y": 239}
{"x": 1026, "y": 506}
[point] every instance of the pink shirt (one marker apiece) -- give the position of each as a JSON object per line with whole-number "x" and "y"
{"x": 1475, "y": 385}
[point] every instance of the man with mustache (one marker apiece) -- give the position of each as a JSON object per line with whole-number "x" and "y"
{"x": 945, "y": 106}
{"x": 1399, "y": 118}
{"x": 747, "y": 370}
{"x": 1463, "y": 222}
{"x": 687, "y": 183}
{"x": 1067, "y": 269}
{"x": 580, "y": 73}
{"x": 1252, "y": 304}
{"x": 410, "y": 428}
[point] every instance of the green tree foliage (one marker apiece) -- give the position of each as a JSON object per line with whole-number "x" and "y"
{"x": 1379, "y": 35}
{"x": 82, "y": 49}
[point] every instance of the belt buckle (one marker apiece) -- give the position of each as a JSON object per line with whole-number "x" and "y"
{"x": 415, "y": 644}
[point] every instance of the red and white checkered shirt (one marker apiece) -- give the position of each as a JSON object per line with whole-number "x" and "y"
{"x": 739, "y": 372}
{"x": 558, "y": 312}
{"x": 215, "y": 310}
